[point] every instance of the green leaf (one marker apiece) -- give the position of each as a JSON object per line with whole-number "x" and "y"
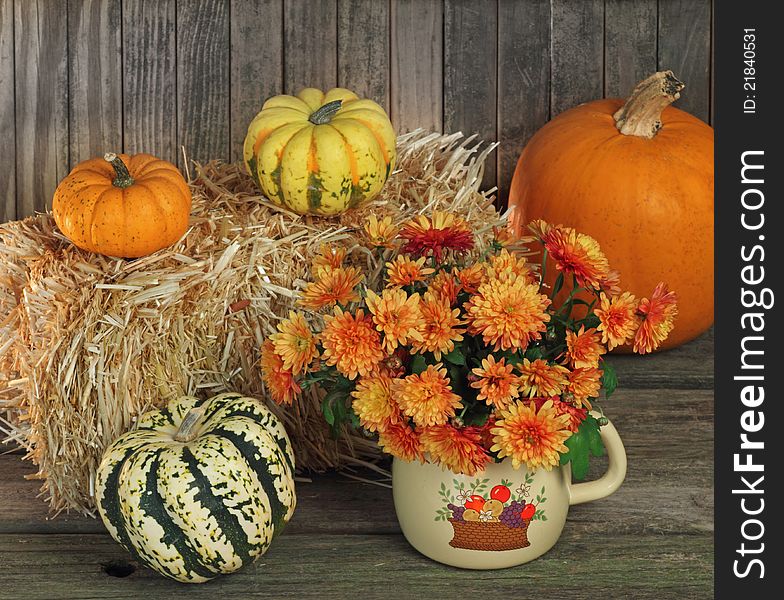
{"x": 418, "y": 364}
{"x": 581, "y": 445}
{"x": 456, "y": 357}
{"x": 534, "y": 353}
{"x": 326, "y": 409}
{"x": 559, "y": 281}
{"x": 609, "y": 379}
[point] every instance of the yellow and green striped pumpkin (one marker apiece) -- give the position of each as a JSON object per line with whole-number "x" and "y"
{"x": 199, "y": 488}
{"x": 318, "y": 153}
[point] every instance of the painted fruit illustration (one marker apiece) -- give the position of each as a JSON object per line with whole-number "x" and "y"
{"x": 495, "y": 507}
{"x": 475, "y": 502}
{"x": 529, "y": 511}
{"x": 501, "y": 493}
{"x": 470, "y": 515}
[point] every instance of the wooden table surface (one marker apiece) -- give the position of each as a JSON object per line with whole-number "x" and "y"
{"x": 651, "y": 539}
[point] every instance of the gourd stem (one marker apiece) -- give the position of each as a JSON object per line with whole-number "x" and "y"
{"x": 641, "y": 115}
{"x": 186, "y": 431}
{"x": 324, "y": 115}
{"x": 123, "y": 179}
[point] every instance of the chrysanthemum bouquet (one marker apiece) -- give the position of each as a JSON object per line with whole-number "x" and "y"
{"x": 464, "y": 357}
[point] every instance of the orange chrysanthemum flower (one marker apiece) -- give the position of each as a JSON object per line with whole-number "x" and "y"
{"x": 427, "y": 398}
{"x": 440, "y": 327}
{"x": 328, "y": 258}
{"x": 458, "y": 450}
{"x": 540, "y": 229}
{"x": 618, "y": 319}
{"x": 658, "y": 319}
{"x": 471, "y": 277}
{"x": 279, "y": 380}
{"x": 507, "y": 314}
{"x": 584, "y": 348}
{"x": 445, "y": 285}
{"x": 380, "y": 233}
{"x": 404, "y": 271}
{"x": 505, "y": 236}
{"x": 497, "y": 385}
{"x": 351, "y": 343}
{"x": 538, "y": 378}
{"x": 530, "y": 437}
{"x": 584, "y": 384}
{"x": 574, "y": 414}
{"x": 506, "y": 265}
{"x": 612, "y": 283}
{"x": 335, "y": 286}
{"x": 396, "y": 315}
{"x": 578, "y": 254}
{"x": 402, "y": 442}
{"x": 423, "y": 236}
{"x": 373, "y": 403}
{"x": 295, "y": 343}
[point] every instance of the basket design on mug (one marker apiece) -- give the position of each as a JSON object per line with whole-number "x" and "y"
{"x": 488, "y": 536}
{"x": 494, "y": 521}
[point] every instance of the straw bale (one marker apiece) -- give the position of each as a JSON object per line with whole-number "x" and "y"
{"x": 88, "y": 342}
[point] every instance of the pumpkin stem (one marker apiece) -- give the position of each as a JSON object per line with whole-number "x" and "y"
{"x": 324, "y": 114}
{"x": 186, "y": 431}
{"x": 641, "y": 115}
{"x": 123, "y": 179}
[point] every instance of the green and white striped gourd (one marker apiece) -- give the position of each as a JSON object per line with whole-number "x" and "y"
{"x": 199, "y": 488}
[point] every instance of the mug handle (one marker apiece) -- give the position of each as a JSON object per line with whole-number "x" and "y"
{"x": 611, "y": 480}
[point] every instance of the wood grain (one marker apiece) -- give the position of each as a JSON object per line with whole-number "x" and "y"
{"x": 470, "y": 73}
{"x": 687, "y": 367}
{"x": 363, "y": 48}
{"x": 7, "y": 113}
{"x": 578, "y": 53}
{"x": 94, "y": 78}
{"x": 256, "y": 62}
{"x": 203, "y": 78}
{"x": 417, "y": 64}
{"x": 523, "y": 81}
{"x": 149, "y": 78}
{"x": 684, "y": 47}
{"x": 650, "y": 566}
{"x": 310, "y": 44}
{"x": 41, "y": 81}
{"x": 630, "y": 44}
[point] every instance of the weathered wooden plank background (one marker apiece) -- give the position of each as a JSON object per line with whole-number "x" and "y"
{"x": 81, "y": 77}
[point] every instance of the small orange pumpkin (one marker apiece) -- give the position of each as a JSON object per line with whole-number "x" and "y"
{"x": 638, "y": 177}
{"x": 124, "y": 206}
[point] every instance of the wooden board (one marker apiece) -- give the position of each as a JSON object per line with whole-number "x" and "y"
{"x": 149, "y": 78}
{"x": 523, "y": 81}
{"x": 94, "y": 78}
{"x": 416, "y": 62}
{"x": 363, "y": 49}
{"x": 310, "y": 44}
{"x": 256, "y": 62}
{"x": 470, "y": 84}
{"x": 578, "y": 54}
{"x": 7, "y": 112}
{"x": 630, "y": 44}
{"x": 684, "y": 47}
{"x": 41, "y": 80}
{"x": 203, "y": 79}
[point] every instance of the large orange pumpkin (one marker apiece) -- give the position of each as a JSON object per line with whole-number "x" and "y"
{"x": 638, "y": 177}
{"x": 120, "y": 205}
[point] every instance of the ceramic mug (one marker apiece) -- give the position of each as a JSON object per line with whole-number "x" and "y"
{"x": 500, "y": 517}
